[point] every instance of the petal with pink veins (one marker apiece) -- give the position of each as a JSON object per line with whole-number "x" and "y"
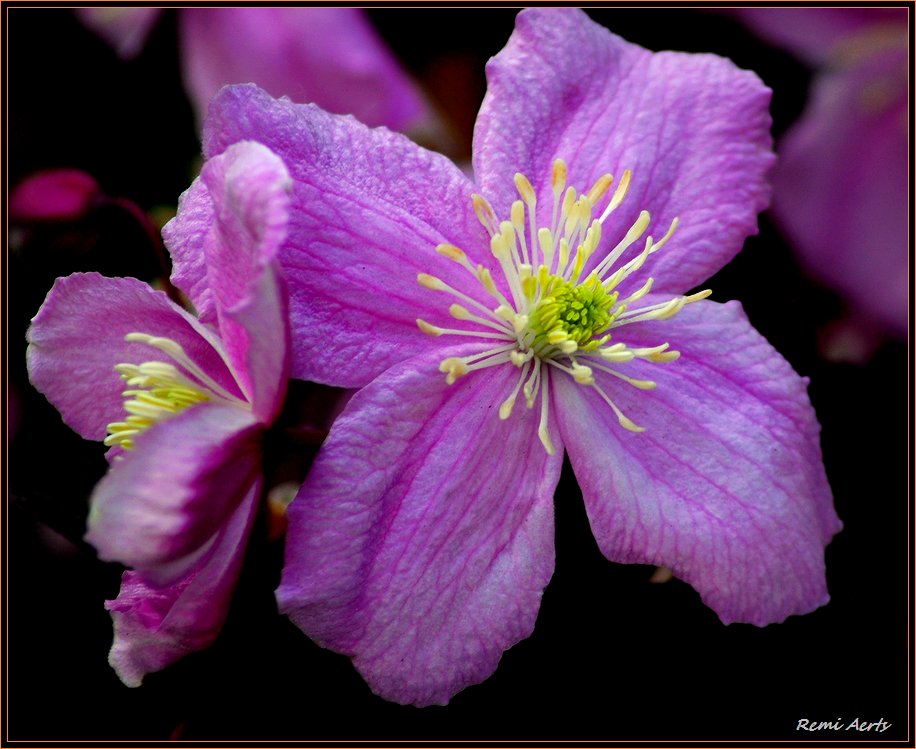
{"x": 693, "y": 129}
{"x": 369, "y": 208}
{"x": 726, "y": 486}
{"x": 423, "y": 536}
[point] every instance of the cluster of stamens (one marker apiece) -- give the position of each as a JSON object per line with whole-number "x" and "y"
{"x": 158, "y": 389}
{"x": 553, "y": 318}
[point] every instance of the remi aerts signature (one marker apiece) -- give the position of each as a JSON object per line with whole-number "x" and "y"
{"x": 857, "y": 724}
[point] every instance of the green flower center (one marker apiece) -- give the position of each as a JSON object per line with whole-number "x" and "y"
{"x": 573, "y": 312}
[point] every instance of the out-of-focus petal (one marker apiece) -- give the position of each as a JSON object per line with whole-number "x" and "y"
{"x": 423, "y": 536}
{"x": 236, "y": 226}
{"x": 77, "y": 338}
{"x": 54, "y": 195}
{"x": 368, "y": 209}
{"x": 161, "y": 502}
{"x": 813, "y": 33}
{"x": 726, "y": 486}
{"x": 840, "y": 189}
{"x": 329, "y": 56}
{"x": 694, "y": 130}
{"x": 156, "y": 626}
{"x": 125, "y": 29}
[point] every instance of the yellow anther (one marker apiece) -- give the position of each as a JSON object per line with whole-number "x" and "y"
{"x": 569, "y": 200}
{"x": 626, "y": 423}
{"x": 484, "y": 212}
{"x": 518, "y": 215}
{"x": 505, "y": 408}
{"x": 525, "y": 190}
{"x": 504, "y": 313}
{"x": 620, "y": 193}
{"x": 600, "y": 188}
{"x": 583, "y": 375}
{"x": 430, "y": 282}
{"x": 558, "y": 176}
{"x": 459, "y": 312}
{"x": 545, "y": 240}
{"x": 499, "y": 246}
{"x": 427, "y": 328}
{"x": 483, "y": 274}
{"x": 452, "y": 252}
{"x": 454, "y": 367}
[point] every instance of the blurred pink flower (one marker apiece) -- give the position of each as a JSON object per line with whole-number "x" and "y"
{"x": 53, "y": 195}
{"x": 329, "y": 56}
{"x": 840, "y": 188}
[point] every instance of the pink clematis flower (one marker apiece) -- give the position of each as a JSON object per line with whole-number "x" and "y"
{"x": 840, "y": 188}
{"x": 422, "y": 539}
{"x": 330, "y": 56}
{"x": 178, "y": 502}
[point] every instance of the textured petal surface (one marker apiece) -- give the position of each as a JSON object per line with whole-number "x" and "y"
{"x": 423, "y": 536}
{"x": 840, "y": 190}
{"x": 165, "y": 499}
{"x": 156, "y": 626}
{"x": 368, "y": 209}
{"x": 224, "y": 241}
{"x": 77, "y": 338}
{"x": 329, "y": 56}
{"x": 694, "y": 130}
{"x": 726, "y": 486}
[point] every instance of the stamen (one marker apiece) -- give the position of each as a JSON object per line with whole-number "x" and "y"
{"x": 600, "y": 188}
{"x": 552, "y": 315}
{"x": 635, "y": 232}
{"x": 619, "y": 194}
{"x": 437, "y": 284}
{"x": 543, "y": 432}
{"x": 662, "y": 311}
{"x": 625, "y": 422}
{"x": 484, "y": 213}
{"x": 505, "y": 408}
{"x": 174, "y": 349}
{"x": 435, "y": 330}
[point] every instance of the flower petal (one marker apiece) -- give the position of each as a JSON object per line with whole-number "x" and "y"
{"x": 841, "y": 184}
{"x": 164, "y": 500}
{"x": 77, "y": 338}
{"x": 224, "y": 241}
{"x": 726, "y": 486}
{"x": 813, "y": 33}
{"x": 423, "y": 536}
{"x": 155, "y": 626}
{"x": 125, "y": 29}
{"x": 369, "y": 208}
{"x": 54, "y": 195}
{"x": 694, "y": 130}
{"x": 329, "y": 56}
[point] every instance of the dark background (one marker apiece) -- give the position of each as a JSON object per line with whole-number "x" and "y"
{"x": 613, "y": 657}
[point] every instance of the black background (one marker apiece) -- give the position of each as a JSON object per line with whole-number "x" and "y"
{"x": 612, "y": 656}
